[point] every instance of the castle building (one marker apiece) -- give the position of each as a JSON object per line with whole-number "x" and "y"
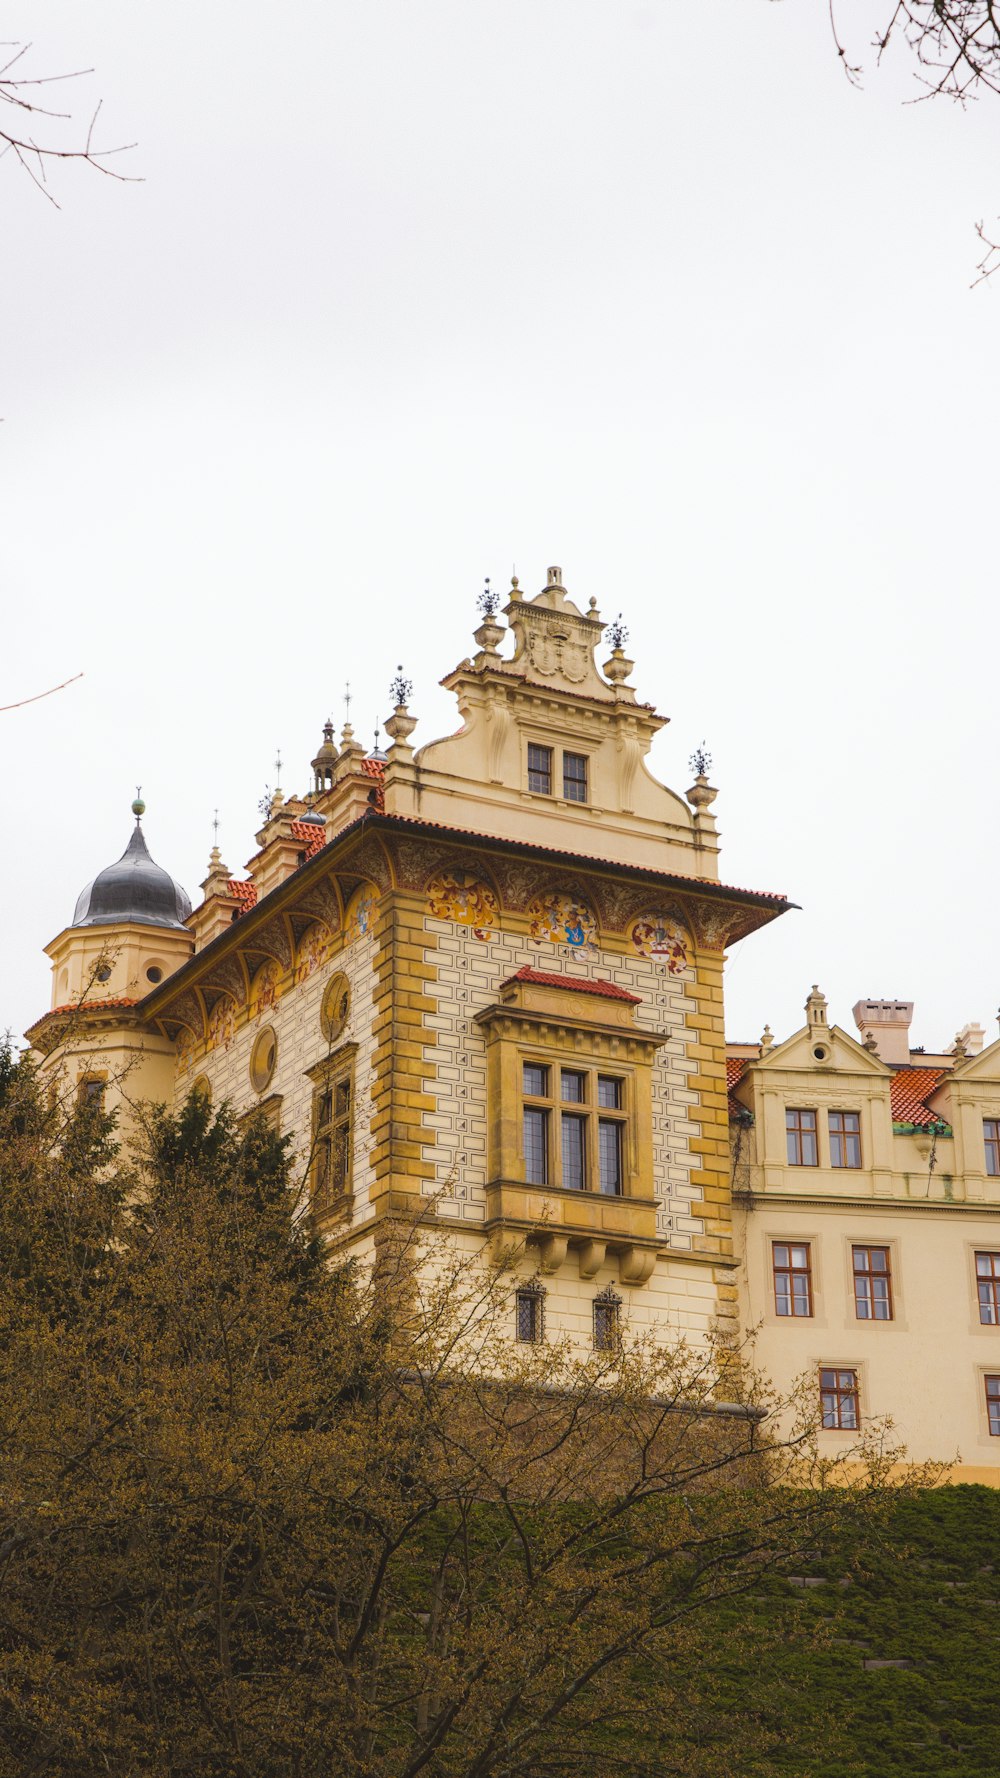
{"x": 480, "y": 981}
{"x": 866, "y": 1184}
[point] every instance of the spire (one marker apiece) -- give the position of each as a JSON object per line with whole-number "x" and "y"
{"x": 326, "y": 759}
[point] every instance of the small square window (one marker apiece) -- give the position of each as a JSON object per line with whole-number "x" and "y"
{"x": 575, "y": 777}
{"x": 530, "y": 1316}
{"x": 609, "y": 1092}
{"x": 540, "y": 770}
{"x": 607, "y": 1323}
{"x": 573, "y": 1087}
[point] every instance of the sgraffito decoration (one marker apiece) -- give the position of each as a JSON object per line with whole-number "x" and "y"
{"x": 221, "y": 1025}
{"x": 264, "y": 989}
{"x": 362, "y": 911}
{"x": 314, "y": 951}
{"x": 661, "y": 939}
{"x": 184, "y": 1049}
{"x": 563, "y": 919}
{"x": 465, "y": 900}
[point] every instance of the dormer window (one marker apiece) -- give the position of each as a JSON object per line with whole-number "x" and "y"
{"x": 540, "y": 770}
{"x": 575, "y": 777}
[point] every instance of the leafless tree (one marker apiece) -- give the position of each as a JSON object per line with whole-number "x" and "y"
{"x": 37, "y": 134}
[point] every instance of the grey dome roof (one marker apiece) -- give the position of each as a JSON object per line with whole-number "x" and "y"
{"x": 135, "y": 890}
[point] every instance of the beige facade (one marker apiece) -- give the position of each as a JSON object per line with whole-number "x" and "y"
{"x": 479, "y": 981}
{"x": 867, "y": 1195}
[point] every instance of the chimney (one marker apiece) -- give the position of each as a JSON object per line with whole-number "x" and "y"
{"x": 971, "y": 1039}
{"x": 888, "y": 1022}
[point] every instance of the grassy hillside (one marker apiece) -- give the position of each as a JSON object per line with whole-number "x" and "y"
{"x": 926, "y": 1595}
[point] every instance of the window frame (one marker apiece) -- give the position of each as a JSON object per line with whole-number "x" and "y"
{"x": 554, "y": 1110}
{"x": 991, "y": 1146}
{"x": 539, "y": 770}
{"x": 571, "y": 785}
{"x": 530, "y": 1296}
{"x": 606, "y": 1321}
{"x": 791, "y": 1271}
{"x": 992, "y": 1402}
{"x": 840, "y": 1393}
{"x": 799, "y": 1130}
{"x": 988, "y": 1281}
{"x": 869, "y": 1275}
{"x": 840, "y": 1139}
{"x": 334, "y": 1072}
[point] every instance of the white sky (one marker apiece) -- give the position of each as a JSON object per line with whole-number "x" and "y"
{"x": 415, "y": 290}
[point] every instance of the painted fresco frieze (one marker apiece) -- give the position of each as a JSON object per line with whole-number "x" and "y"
{"x": 564, "y": 919}
{"x": 456, "y": 896}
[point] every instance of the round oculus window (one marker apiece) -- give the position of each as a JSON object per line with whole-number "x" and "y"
{"x": 263, "y": 1058}
{"x": 335, "y": 1007}
{"x": 154, "y": 973}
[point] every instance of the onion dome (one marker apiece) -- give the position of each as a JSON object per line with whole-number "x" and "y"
{"x": 134, "y": 891}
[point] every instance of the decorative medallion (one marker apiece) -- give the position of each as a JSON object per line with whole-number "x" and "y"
{"x": 221, "y": 1025}
{"x": 362, "y": 910}
{"x": 314, "y": 951}
{"x": 335, "y": 1008}
{"x": 662, "y": 939}
{"x": 263, "y": 1059}
{"x": 264, "y": 989}
{"x": 565, "y": 920}
{"x": 465, "y": 900}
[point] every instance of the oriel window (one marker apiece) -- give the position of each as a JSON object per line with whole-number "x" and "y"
{"x": 585, "y": 1112}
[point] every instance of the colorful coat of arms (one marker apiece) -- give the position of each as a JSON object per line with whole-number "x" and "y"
{"x": 464, "y": 900}
{"x": 362, "y": 909}
{"x": 564, "y": 920}
{"x": 663, "y": 940}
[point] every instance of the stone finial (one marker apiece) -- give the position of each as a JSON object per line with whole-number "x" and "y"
{"x": 958, "y": 1048}
{"x": 816, "y": 1009}
{"x": 702, "y": 794}
{"x": 871, "y": 1043}
{"x": 766, "y": 1042}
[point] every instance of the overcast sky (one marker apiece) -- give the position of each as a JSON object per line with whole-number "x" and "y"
{"x": 415, "y": 290}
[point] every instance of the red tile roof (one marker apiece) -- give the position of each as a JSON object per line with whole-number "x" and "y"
{"x": 375, "y": 768}
{"x": 314, "y": 837}
{"x": 92, "y": 1005}
{"x": 909, "y": 1090}
{"x": 243, "y": 890}
{"x": 545, "y": 979}
{"x": 736, "y": 1067}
